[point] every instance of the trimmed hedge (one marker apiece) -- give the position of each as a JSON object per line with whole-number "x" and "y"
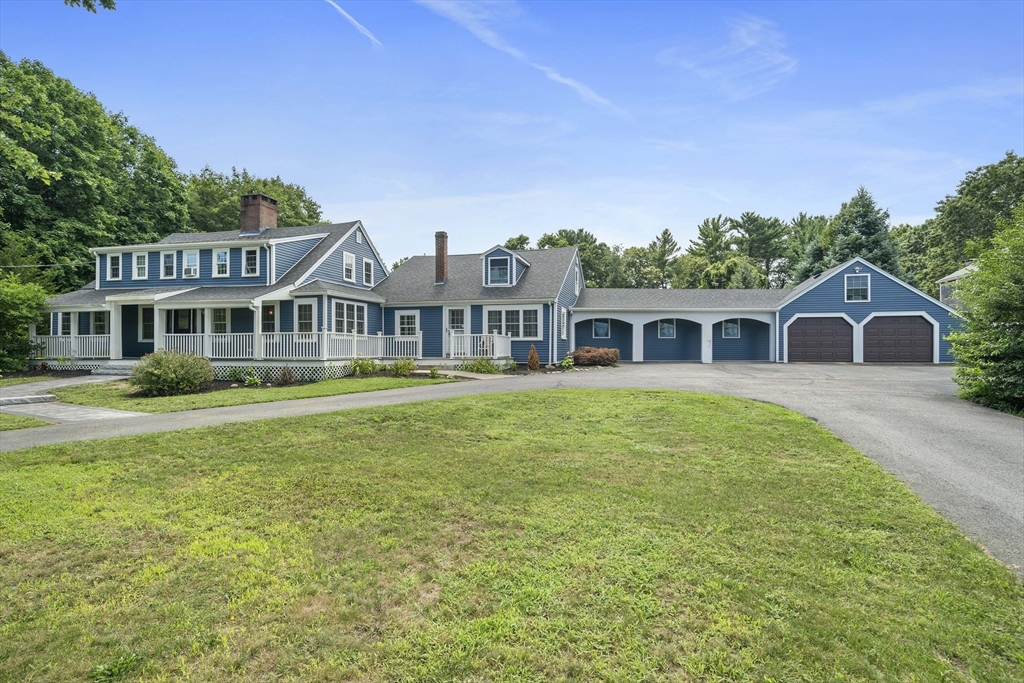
{"x": 589, "y": 355}
{"x": 169, "y": 373}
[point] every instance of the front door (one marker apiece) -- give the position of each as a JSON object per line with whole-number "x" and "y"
{"x": 183, "y": 321}
{"x": 456, "y": 324}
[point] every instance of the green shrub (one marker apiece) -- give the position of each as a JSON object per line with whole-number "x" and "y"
{"x": 252, "y": 379}
{"x": 364, "y": 366}
{"x": 403, "y": 367}
{"x": 169, "y": 373}
{"x": 287, "y": 376}
{"x": 511, "y": 365}
{"x": 235, "y": 374}
{"x": 482, "y": 366}
{"x": 567, "y": 362}
{"x": 588, "y": 355}
{"x": 533, "y": 360}
{"x": 20, "y": 305}
{"x": 434, "y": 374}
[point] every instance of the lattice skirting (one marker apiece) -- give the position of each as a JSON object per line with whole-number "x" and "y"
{"x": 237, "y": 372}
{"x": 66, "y": 365}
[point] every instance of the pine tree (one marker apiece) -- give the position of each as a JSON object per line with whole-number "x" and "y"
{"x": 862, "y": 229}
{"x": 713, "y": 243}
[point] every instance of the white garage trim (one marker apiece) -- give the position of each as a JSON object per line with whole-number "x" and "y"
{"x": 859, "y": 330}
{"x": 858, "y": 339}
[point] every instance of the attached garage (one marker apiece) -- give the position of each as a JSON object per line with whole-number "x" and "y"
{"x": 820, "y": 340}
{"x": 898, "y": 339}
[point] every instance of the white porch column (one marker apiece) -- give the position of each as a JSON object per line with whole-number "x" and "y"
{"x": 572, "y": 331}
{"x": 159, "y": 327}
{"x": 773, "y": 342}
{"x": 207, "y": 328}
{"x": 638, "y": 342}
{"x": 115, "y": 331}
{"x": 257, "y": 332}
{"x": 74, "y": 334}
{"x": 706, "y": 342}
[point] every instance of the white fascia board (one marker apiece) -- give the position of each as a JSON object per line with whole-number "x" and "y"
{"x": 384, "y": 266}
{"x": 183, "y": 246}
{"x": 497, "y": 303}
{"x": 675, "y": 308}
{"x": 325, "y": 256}
{"x": 145, "y": 297}
{"x": 297, "y": 238}
{"x": 583, "y": 281}
{"x": 276, "y": 295}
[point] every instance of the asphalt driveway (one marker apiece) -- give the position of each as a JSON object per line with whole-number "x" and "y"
{"x": 964, "y": 460}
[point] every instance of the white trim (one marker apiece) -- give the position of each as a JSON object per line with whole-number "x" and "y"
{"x": 184, "y": 264}
{"x": 563, "y": 319}
{"x": 245, "y": 251}
{"x": 227, "y": 318}
{"x": 846, "y": 288}
{"x": 179, "y": 246}
{"x": 345, "y": 257}
{"x": 936, "y": 332}
{"x": 97, "y": 279}
{"x": 259, "y": 318}
{"x": 660, "y": 335}
{"x": 372, "y": 274}
{"x": 146, "y": 297}
{"x": 297, "y": 238}
{"x": 310, "y": 301}
{"x": 511, "y": 271}
{"x": 737, "y": 328}
{"x": 398, "y": 317}
{"x": 349, "y": 302}
{"x": 120, "y": 267}
{"x": 516, "y": 307}
{"x": 337, "y": 245}
{"x": 577, "y": 276}
{"x": 593, "y": 332}
{"x": 135, "y": 265}
{"x": 858, "y": 340}
{"x": 213, "y": 262}
{"x": 512, "y": 252}
{"x": 174, "y": 265}
{"x": 141, "y": 338}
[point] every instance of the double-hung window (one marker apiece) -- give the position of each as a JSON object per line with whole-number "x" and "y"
{"x": 731, "y": 329}
{"x": 350, "y": 267}
{"x": 141, "y": 269}
{"x": 250, "y": 263}
{"x": 518, "y": 323}
{"x": 666, "y": 329}
{"x": 65, "y": 324}
{"x": 498, "y": 270}
{"x": 99, "y": 322}
{"x": 220, "y": 321}
{"x": 351, "y": 318}
{"x": 858, "y": 288}
{"x": 190, "y": 264}
{"x": 221, "y": 263}
{"x": 168, "y": 264}
{"x": 407, "y": 324}
{"x": 147, "y": 324}
{"x": 268, "y": 318}
{"x": 113, "y": 266}
{"x": 512, "y": 323}
{"x": 494, "y": 322}
{"x": 565, "y": 322}
{"x": 602, "y": 328}
{"x": 305, "y": 314}
{"x": 368, "y": 272}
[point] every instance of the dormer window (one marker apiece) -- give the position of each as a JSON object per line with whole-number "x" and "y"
{"x": 498, "y": 270}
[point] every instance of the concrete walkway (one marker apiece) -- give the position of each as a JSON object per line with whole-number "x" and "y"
{"x": 964, "y": 460}
{"x": 52, "y": 411}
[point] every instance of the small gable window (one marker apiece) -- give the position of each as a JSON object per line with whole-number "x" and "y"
{"x": 666, "y": 329}
{"x": 731, "y": 329}
{"x": 359, "y": 236}
{"x": 576, "y": 273}
{"x": 350, "y": 267}
{"x": 603, "y": 329}
{"x": 498, "y": 270}
{"x": 858, "y": 287}
{"x": 368, "y": 272}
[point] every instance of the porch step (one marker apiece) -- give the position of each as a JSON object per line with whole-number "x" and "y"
{"x": 22, "y": 400}
{"x": 119, "y": 370}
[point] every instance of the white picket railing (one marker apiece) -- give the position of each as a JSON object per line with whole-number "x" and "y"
{"x": 343, "y": 345}
{"x": 231, "y": 345}
{"x": 53, "y": 346}
{"x": 185, "y": 343}
{"x": 479, "y": 345}
{"x": 291, "y": 345}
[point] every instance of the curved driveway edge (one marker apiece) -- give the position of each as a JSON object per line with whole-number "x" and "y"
{"x": 966, "y": 461}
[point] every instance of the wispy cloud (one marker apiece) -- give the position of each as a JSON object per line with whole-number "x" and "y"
{"x": 752, "y": 61}
{"x": 348, "y": 17}
{"x": 475, "y": 17}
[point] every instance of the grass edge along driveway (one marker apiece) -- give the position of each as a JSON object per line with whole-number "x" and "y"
{"x": 118, "y": 394}
{"x": 586, "y": 535}
{"x": 9, "y": 421}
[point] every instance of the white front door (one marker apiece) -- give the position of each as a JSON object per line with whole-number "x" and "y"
{"x": 456, "y": 322}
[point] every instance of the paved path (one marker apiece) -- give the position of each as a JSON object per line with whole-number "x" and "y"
{"x": 964, "y": 460}
{"x": 59, "y": 412}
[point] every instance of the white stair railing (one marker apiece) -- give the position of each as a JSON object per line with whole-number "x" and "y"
{"x": 479, "y": 345}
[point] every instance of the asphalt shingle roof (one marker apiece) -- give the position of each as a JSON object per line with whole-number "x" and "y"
{"x": 318, "y": 286}
{"x": 413, "y": 281}
{"x": 88, "y": 296}
{"x": 640, "y": 299}
{"x": 269, "y": 233}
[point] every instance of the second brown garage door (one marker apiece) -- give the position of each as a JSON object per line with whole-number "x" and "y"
{"x": 898, "y": 339}
{"x": 820, "y": 340}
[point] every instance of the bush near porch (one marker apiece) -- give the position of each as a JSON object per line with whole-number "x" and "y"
{"x": 169, "y": 373}
{"x": 588, "y": 355}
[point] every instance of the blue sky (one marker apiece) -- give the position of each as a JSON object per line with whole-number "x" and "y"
{"x": 493, "y": 119}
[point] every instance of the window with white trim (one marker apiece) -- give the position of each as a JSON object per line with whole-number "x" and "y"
{"x": 731, "y": 329}
{"x": 147, "y": 324}
{"x": 350, "y": 318}
{"x": 350, "y": 267}
{"x": 168, "y": 264}
{"x": 190, "y": 264}
{"x": 565, "y": 322}
{"x": 858, "y": 288}
{"x": 457, "y": 320}
{"x": 494, "y": 322}
{"x": 220, "y": 321}
{"x": 602, "y": 328}
{"x": 99, "y": 322}
{"x": 667, "y": 329}
{"x": 141, "y": 266}
{"x": 359, "y": 236}
{"x": 113, "y": 266}
{"x": 65, "y": 323}
{"x": 408, "y": 324}
{"x": 268, "y": 318}
{"x": 305, "y": 316}
{"x": 518, "y": 323}
{"x": 250, "y": 263}
{"x": 222, "y": 263}
{"x": 368, "y": 272}
{"x": 498, "y": 270}
{"x": 576, "y": 275}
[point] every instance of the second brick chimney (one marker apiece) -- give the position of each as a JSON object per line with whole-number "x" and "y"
{"x": 258, "y": 213}
{"x": 440, "y": 258}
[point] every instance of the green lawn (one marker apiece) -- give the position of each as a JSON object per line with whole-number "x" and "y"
{"x": 11, "y": 381}
{"x": 119, "y": 395}
{"x": 560, "y": 535}
{"x": 9, "y": 421}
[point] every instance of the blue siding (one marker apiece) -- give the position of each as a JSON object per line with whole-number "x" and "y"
{"x": 54, "y": 323}
{"x": 205, "y": 272}
{"x": 374, "y": 315}
{"x": 887, "y": 296}
{"x": 476, "y": 319}
{"x": 84, "y": 322}
{"x": 287, "y": 254}
{"x": 621, "y": 339}
{"x": 566, "y": 299}
{"x": 520, "y": 269}
{"x": 685, "y": 345}
{"x": 333, "y": 267}
{"x": 500, "y": 251}
{"x": 241, "y": 320}
{"x": 431, "y": 324}
{"x": 752, "y": 344}
{"x": 131, "y": 347}
{"x": 286, "y": 309}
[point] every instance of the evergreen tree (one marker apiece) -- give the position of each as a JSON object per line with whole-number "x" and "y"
{"x": 862, "y": 229}
{"x": 812, "y": 263}
{"x": 763, "y": 240}
{"x": 664, "y": 250}
{"x": 713, "y": 243}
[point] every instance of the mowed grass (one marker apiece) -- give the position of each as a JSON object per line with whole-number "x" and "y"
{"x": 545, "y": 536}
{"x": 121, "y": 396}
{"x": 9, "y": 421}
{"x": 11, "y": 381}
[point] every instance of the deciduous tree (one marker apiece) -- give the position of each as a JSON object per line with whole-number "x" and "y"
{"x": 213, "y": 200}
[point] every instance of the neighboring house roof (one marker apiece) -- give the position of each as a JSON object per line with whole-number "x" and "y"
{"x": 953, "y": 277}
{"x": 320, "y": 287}
{"x": 674, "y": 299}
{"x": 413, "y": 281}
{"x": 268, "y": 234}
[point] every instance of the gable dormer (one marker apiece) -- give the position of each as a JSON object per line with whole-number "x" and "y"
{"x": 503, "y": 267}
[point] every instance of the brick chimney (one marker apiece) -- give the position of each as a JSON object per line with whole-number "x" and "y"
{"x": 440, "y": 258}
{"x": 258, "y": 213}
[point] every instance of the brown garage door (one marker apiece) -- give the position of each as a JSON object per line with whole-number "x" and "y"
{"x": 898, "y": 339}
{"x": 820, "y": 340}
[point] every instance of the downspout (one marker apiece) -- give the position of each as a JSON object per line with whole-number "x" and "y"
{"x": 552, "y": 344}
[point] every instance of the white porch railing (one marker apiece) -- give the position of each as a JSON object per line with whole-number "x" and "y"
{"x": 291, "y": 345}
{"x": 231, "y": 345}
{"x": 341, "y": 345}
{"x": 479, "y": 345}
{"x": 185, "y": 343}
{"x": 52, "y": 346}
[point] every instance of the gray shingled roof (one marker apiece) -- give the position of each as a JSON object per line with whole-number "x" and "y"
{"x": 954, "y": 276}
{"x": 88, "y": 296}
{"x": 223, "y": 293}
{"x": 413, "y": 281}
{"x": 640, "y": 299}
{"x": 235, "y": 235}
{"x": 319, "y": 286}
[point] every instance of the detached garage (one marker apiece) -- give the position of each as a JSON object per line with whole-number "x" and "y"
{"x": 820, "y": 340}
{"x": 898, "y": 339}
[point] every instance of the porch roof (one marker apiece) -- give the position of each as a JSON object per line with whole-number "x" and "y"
{"x": 319, "y": 287}
{"x": 89, "y": 296}
{"x": 225, "y": 293}
{"x": 667, "y": 299}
